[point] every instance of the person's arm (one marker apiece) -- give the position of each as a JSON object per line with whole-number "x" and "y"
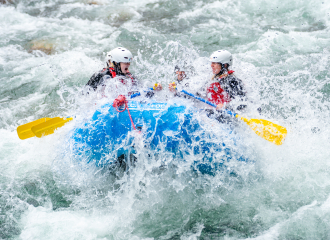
{"x": 97, "y": 79}
{"x": 93, "y": 81}
{"x": 238, "y": 91}
{"x": 219, "y": 106}
{"x": 173, "y": 88}
{"x": 234, "y": 87}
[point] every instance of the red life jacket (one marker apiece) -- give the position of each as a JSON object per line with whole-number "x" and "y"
{"x": 123, "y": 81}
{"x": 113, "y": 73}
{"x": 215, "y": 92}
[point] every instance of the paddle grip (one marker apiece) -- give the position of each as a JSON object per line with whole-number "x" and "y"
{"x": 135, "y": 95}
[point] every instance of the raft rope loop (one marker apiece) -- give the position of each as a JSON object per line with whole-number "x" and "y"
{"x": 120, "y": 100}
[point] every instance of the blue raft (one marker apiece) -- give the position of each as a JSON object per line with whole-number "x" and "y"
{"x": 165, "y": 128}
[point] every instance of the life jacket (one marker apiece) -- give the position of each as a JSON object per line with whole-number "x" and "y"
{"x": 123, "y": 81}
{"x": 215, "y": 93}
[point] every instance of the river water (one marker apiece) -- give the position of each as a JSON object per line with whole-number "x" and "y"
{"x": 281, "y": 49}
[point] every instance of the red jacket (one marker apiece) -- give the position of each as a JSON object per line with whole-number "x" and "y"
{"x": 215, "y": 92}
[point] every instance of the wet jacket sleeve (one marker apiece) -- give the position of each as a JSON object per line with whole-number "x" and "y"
{"x": 235, "y": 89}
{"x": 182, "y": 86}
{"x": 98, "y": 79}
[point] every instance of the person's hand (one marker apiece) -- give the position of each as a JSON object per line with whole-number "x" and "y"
{"x": 172, "y": 87}
{"x": 180, "y": 75}
{"x": 157, "y": 87}
{"x": 219, "y": 106}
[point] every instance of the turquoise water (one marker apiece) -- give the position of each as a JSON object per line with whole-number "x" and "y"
{"x": 49, "y": 50}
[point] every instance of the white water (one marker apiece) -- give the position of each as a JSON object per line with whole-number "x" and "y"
{"x": 281, "y": 52}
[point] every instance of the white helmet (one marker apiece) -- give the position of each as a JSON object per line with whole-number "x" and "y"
{"x": 118, "y": 55}
{"x": 222, "y": 56}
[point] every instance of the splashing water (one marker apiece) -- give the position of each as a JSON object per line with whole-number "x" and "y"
{"x": 48, "y": 51}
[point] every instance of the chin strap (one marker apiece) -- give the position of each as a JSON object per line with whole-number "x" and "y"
{"x": 117, "y": 68}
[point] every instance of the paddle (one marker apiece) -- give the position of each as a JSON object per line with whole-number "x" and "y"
{"x": 24, "y": 131}
{"x": 41, "y": 127}
{"x": 46, "y": 126}
{"x": 265, "y": 129}
{"x": 49, "y": 127}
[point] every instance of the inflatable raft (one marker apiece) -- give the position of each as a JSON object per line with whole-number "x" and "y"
{"x": 162, "y": 128}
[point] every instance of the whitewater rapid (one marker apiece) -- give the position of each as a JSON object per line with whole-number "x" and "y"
{"x": 48, "y": 51}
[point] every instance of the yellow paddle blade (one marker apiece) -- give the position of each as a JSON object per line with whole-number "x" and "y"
{"x": 266, "y": 129}
{"x": 24, "y": 131}
{"x": 49, "y": 127}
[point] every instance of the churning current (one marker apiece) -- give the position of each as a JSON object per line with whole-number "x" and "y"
{"x": 49, "y": 49}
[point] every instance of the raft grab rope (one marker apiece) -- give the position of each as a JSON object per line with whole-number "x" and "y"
{"x": 119, "y": 101}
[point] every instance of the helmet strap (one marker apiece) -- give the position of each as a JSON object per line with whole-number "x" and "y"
{"x": 117, "y": 68}
{"x": 223, "y": 69}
